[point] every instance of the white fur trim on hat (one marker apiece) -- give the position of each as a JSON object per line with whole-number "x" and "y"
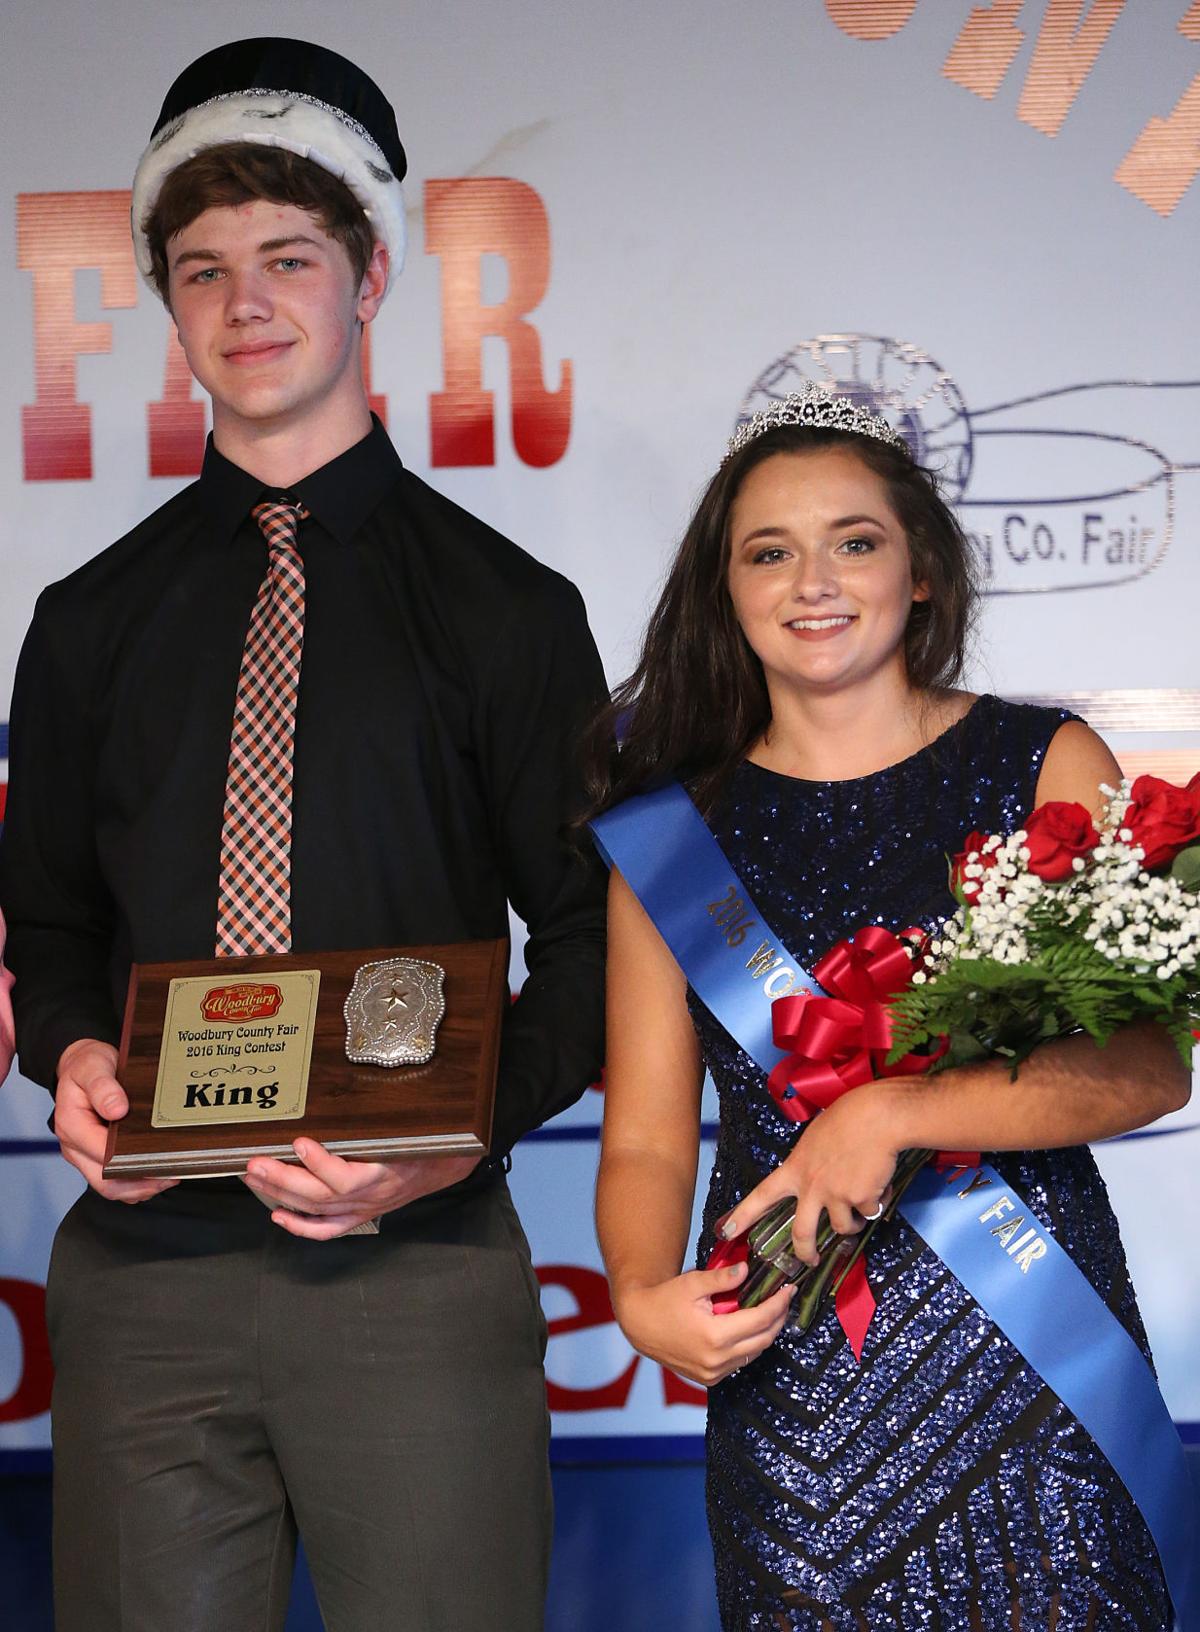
{"x": 301, "y": 124}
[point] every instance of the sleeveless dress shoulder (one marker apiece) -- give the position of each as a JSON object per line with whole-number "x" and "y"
{"x": 940, "y": 1484}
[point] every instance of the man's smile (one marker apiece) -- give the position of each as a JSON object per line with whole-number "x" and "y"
{"x": 256, "y": 351}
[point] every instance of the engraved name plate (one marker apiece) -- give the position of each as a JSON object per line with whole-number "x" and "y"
{"x": 236, "y": 1050}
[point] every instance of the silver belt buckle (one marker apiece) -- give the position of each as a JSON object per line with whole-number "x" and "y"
{"x": 393, "y": 1012}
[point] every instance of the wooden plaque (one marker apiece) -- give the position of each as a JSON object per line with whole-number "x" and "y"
{"x": 366, "y": 1110}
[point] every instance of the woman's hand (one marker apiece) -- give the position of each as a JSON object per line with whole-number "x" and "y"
{"x": 674, "y": 1323}
{"x": 842, "y": 1166}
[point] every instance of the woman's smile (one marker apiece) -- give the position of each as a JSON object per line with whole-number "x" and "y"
{"x": 820, "y": 628}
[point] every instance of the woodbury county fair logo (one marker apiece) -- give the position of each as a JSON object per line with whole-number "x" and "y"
{"x": 1074, "y": 487}
{"x": 233, "y": 1005}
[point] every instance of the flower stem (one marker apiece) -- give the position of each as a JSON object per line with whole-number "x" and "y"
{"x": 847, "y": 1249}
{"x": 772, "y": 1261}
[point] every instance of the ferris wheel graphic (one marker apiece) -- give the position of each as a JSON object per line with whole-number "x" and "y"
{"x": 890, "y": 377}
{"x": 1064, "y": 488}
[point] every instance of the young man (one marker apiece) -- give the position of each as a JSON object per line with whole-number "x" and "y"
{"x": 227, "y": 1370}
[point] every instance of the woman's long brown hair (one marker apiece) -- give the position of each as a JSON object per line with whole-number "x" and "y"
{"x": 697, "y": 701}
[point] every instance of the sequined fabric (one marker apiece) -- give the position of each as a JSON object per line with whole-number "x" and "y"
{"x": 940, "y": 1485}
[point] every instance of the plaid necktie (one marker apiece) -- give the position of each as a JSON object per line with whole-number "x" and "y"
{"x": 253, "y": 899}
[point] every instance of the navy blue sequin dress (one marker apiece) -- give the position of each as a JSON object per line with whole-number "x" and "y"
{"x": 941, "y": 1485}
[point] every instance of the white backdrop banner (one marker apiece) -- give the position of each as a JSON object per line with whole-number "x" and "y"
{"x": 627, "y": 224}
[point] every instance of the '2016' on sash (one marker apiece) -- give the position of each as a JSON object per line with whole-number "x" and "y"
{"x": 976, "y": 1223}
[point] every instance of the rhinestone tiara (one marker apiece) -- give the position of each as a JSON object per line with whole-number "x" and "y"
{"x": 816, "y": 405}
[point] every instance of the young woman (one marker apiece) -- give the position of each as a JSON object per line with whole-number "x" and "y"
{"x": 798, "y": 679}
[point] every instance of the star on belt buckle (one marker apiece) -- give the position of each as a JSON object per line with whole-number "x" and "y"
{"x": 393, "y": 1012}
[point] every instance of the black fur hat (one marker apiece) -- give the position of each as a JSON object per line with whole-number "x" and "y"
{"x": 282, "y": 93}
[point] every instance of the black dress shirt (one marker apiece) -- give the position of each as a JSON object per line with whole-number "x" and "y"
{"x": 444, "y": 680}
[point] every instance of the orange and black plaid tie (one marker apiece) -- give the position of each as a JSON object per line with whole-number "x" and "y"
{"x": 254, "y": 912}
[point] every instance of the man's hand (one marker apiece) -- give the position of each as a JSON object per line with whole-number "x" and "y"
{"x": 329, "y": 1196}
{"x": 89, "y": 1097}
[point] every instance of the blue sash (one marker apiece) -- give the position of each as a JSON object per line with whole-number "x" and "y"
{"x": 976, "y": 1223}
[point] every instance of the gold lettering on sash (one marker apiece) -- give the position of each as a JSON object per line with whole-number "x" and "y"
{"x": 1005, "y": 1231}
{"x": 726, "y": 900}
{"x": 735, "y": 934}
{"x": 731, "y": 916}
{"x": 1035, "y": 1250}
{"x": 773, "y": 989}
{"x": 762, "y": 960}
{"x": 1024, "y": 1249}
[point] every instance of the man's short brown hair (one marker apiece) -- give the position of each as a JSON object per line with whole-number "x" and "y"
{"x": 233, "y": 173}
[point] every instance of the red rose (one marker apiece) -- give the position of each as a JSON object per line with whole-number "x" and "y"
{"x": 1055, "y": 834}
{"x": 968, "y": 888}
{"x": 1164, "y": 819}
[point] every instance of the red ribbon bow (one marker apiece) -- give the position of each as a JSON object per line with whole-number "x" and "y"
{"x": 836, "y": 1043}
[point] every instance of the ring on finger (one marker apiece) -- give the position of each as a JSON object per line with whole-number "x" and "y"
{"x": 871, "y": 1217}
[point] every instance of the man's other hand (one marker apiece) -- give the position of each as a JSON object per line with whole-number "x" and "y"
{"x": 87, "y": 1099}
{"x": 329, "y": 1196}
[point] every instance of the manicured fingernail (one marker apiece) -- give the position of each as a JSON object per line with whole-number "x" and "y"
{"x": 726, "y": 1228}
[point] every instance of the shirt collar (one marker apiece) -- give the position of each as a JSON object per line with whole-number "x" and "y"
{"x": 340, "y": 495}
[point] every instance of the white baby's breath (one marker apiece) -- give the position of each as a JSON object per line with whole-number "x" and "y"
{"x": 1137, "y": 922}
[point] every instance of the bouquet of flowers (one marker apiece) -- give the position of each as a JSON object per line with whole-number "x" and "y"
{"x": 1061, "y": 927}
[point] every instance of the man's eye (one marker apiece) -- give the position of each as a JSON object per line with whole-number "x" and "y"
{"x": 206, "y": 274}
{"x": 289, "y": 263}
